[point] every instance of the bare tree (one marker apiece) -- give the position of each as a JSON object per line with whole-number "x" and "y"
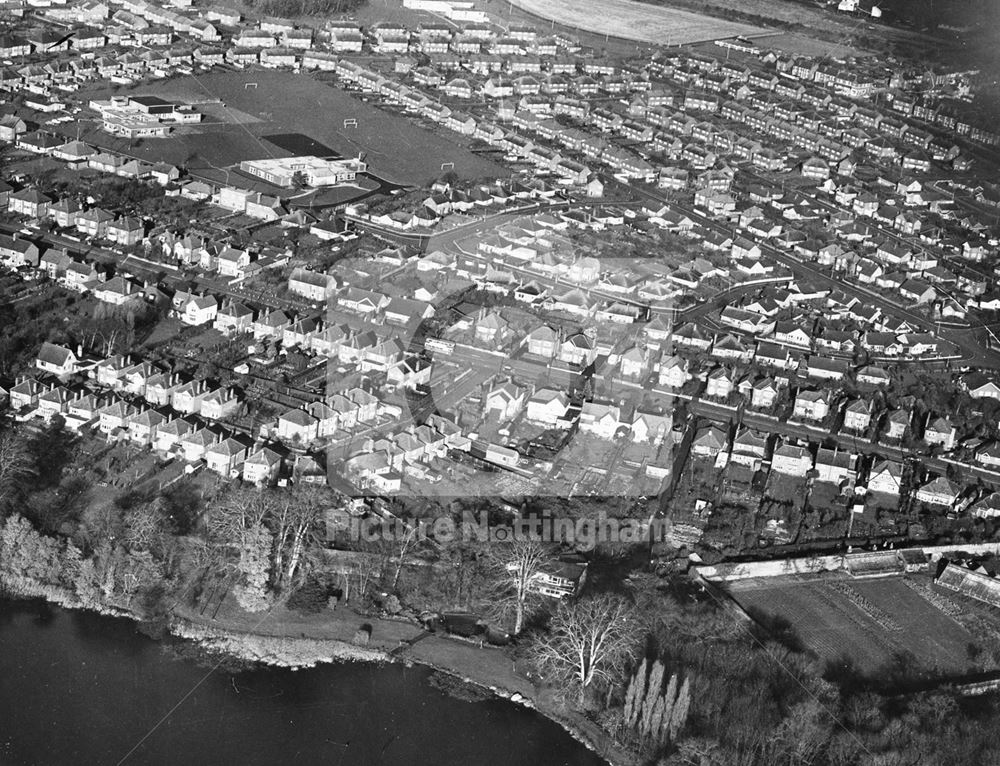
{"x": 588, "y": 640}
{"x": 517, "y": 564}
{"x": 16, "y": 467}
{"x": 295, "y": 519}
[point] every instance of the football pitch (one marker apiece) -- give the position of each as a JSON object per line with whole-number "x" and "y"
{"x": 242, "y": 108}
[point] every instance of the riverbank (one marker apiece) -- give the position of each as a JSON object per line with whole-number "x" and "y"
{"x": 278, "y": 639}
{"x": 489, "y": 670}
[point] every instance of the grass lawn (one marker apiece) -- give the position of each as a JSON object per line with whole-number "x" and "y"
{"x": 395, "y": 147}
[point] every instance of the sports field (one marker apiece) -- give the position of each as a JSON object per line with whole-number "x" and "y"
{"x": 631, "y": 20}
{"x": 867, "y": 622}
{"x": 238, "y": 115}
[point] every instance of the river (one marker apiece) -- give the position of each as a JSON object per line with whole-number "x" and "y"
{"x": 79, "y": 688}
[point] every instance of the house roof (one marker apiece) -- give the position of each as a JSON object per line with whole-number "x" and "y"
{"x": 54, "y": 355}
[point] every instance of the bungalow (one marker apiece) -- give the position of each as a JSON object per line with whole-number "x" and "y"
{"x": 824, "y": 368}
{"x": 979, "y": 386}
{"x": 873, "y": 375}
{"x": 938, "y": 491}
{"x": 709, "y": 442}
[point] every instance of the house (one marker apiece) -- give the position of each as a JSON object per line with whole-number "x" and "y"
{"x": 979, "y": 386}
{"x": 311, "y": 285}
{"x": 143, "y": 425}
{"x": 542, "y": 341}
{"x": 858, "y": 415}
{"x": 989, "y": 455}
{"x": 940, "y": 431}
{"x": 262, "y": 466}
{"x": 650, "y": 428}
{"x": 55, "y": 401}
{"x": 938, "y": 491}
{"x": 29, "y": 202}
{"x": 125, "y": 231}
{"x": 578, "y": 349}
{"x": 898, "y": 424}
{"x": 234, "y": 318}
{"x": 25, "y": 394}
{"x": 673, "y": 372}
{"x": 886, "y": 477}
{"x": 218, "y": 404}
{"x": 505, "y": 401}
{"x": 988, "y": 507}
{"x": 635, "y": 362}
{"x": 198, "y": 309}
{"x": 600, "y": 419}
{"x": 402, "y": 311}
{"x": 114, "y": 418}
{"x": 226, "y": 457}
{"x": 297, "y": 426}
{"x": 811, "y": 404}
{"x": 57, "y": 360}
{"x": 116, "y": 291}
{"x": 791, "y": 460}
{"x": 825, "y": 368}
{"x": 709, "y": 442}
{"x": 764, "y": 393}
{"x": 548, "y": 407}
{"x": 719, "y": 384}
{"x": 873, "y": 375}
{"x": 187, "y": 397}
{"x": 835, "y": 466}
{"x": 749, "y": 448}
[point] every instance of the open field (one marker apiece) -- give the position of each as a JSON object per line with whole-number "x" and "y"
{"x": 866, "y": 622}
{"x": 637, "y": 21}
{"x": 238, "y": 118}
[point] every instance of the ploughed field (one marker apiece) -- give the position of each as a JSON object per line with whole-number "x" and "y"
{"x": 637, "y": 21}
{"x": 868, "y": 623}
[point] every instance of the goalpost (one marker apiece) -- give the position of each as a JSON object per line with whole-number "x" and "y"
{"x": 447, "y": 166}
{"x": 249, "y": 85}
{"x": 351, "y": 122}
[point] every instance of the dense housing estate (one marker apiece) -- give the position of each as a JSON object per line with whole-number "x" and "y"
{"x": 738, "y": 262}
